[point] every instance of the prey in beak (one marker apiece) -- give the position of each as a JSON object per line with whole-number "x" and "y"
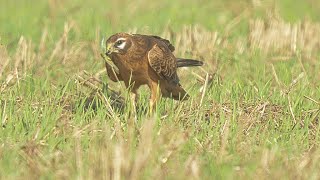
{"x": 109, "y": 49}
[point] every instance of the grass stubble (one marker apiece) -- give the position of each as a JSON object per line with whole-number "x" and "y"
{"x": 253, "y": 112}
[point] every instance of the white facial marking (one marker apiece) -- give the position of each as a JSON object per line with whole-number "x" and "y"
{"x": 122, "y": 44}
{"x": 121, "y": 39}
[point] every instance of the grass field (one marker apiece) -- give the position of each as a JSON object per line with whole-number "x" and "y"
{"x": 254, "y": 109}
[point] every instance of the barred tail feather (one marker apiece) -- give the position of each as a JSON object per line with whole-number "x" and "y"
{"x": 188, "y": 62}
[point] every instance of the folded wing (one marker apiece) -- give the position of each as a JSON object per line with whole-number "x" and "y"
{"x": 163, "y": 62}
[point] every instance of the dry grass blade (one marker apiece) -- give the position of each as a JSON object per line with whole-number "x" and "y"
{"x": 4, "y": 114}
{"x": 204, "y": 88}
{"x": 192, "y": 168}
{"x": 195, "y": 41}
{"x": 9, "y": 80}
{"x": 42, "y": 45}
{"x": 90, "y": 84}
{"x": 113, "y": 67}
{"x": 311, "y": 99}
{"x": 60, "y": 47}
{"x": 117, "y": 161}
{"x": 78, "y": 155}
{"x": 294, "y": 82}
{"x": 224, "y": 137}
{"x": 24, "y": 56}
{"x": 22, "y": 61}
{"x": 231, "y": 25}
{"x": 4, "y": 60}
{"x": 144, "y": 148}
{"x": 291, "y": 110}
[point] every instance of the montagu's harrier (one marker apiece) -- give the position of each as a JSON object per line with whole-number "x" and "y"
{"x": 146, "y": 60}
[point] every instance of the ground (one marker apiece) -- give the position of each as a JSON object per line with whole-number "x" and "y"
{"x": 254, "y": 106}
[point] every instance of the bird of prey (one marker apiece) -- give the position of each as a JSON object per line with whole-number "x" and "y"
{"x": 146, "y": 60}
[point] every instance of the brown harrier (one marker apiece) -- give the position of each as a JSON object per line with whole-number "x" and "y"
{"x": 143, "y": 59}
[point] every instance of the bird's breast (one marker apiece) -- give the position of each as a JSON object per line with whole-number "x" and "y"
{"x": 132, "y": 68}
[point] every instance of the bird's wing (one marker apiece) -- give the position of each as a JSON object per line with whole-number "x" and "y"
{"x": 165, "y": 41}
{"x": 163, "y": 62}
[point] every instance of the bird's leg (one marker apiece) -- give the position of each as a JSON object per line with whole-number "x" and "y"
{"x": 134, "y": 97}
{"x": 155, "y": 95}
{"x": 113, "y": 75}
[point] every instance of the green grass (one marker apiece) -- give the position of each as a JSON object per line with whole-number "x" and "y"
{"x": 259, "y": 116}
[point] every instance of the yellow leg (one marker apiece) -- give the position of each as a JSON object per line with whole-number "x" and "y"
{"x": 155, "y": 95}
{"x": 133, "y": 98}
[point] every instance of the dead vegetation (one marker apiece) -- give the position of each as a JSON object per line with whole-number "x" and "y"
{"x": 115, "y": 154}
{"x": 275, "y": 36}
{"x": 194, "y": 41}
{"x": 123, "y": 149}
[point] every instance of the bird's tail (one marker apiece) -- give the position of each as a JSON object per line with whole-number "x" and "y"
{"x": 188, "y": 62}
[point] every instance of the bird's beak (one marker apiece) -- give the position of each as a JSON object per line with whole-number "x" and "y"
{"x": 109, "y": 49}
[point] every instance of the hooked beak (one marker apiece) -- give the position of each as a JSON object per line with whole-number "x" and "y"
{"x": 109, "y": 49}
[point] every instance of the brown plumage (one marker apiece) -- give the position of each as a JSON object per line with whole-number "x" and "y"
{"x": 147, "y": 60}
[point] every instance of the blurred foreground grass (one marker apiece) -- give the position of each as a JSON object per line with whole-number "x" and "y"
{"x": 254, "y": 110}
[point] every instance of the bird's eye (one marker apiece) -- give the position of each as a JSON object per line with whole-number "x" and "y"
{"x": 118, "y": 43}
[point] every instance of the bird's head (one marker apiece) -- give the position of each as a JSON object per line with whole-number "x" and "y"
{"x": 118, "y": 44}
